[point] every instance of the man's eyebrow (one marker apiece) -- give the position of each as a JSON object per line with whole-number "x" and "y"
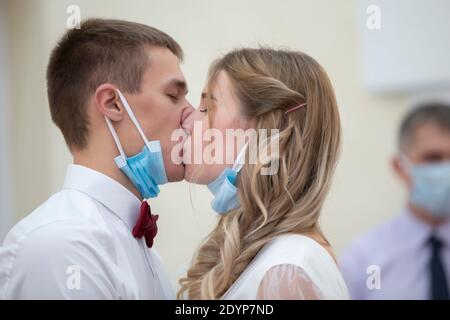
{"x": 179, "y": 84}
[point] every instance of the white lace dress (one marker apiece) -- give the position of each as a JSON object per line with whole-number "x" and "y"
{"x": 290, "y": 267}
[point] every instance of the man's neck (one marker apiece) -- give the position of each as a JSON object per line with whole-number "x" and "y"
{"x": 425, "y": 217}
{"x": 103, "y": 162}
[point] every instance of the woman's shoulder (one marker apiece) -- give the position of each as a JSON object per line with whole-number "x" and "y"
{"x": 299, "y": 251}
{"x": 296, "y": 247}
{"x": 292, "y": 252}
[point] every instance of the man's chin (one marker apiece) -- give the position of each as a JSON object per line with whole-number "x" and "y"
{"x": 176, "y": 173}
{"x": 192, "y": 175}
{"x": 188, "y": 174}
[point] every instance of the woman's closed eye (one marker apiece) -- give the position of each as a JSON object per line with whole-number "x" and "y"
{"x": 202, "y": 107}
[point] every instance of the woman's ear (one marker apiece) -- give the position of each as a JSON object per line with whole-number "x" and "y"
{"x": 108, "y": 103}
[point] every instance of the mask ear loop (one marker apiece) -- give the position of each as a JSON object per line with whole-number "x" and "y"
{"x": 116, "y": 139}
{"x": 239, "y": 163}
{"x": 132, "y": 116}
{"x": 405, "y": 161}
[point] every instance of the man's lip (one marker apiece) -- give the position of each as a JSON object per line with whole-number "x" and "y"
{"x": 183, "y": 141}
{"x": 182, "y": 151}
{"x": 186, "y": 112}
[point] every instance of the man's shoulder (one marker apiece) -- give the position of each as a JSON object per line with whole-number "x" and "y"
{"x": 375, "y": 241}
{"x": 69, "y": 229}
{"x": 63, "y": 216}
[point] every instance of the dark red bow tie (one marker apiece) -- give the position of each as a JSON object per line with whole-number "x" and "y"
{"x": 146, "y": 225}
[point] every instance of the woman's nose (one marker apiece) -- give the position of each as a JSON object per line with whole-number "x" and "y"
{"x": 188, "y": 122}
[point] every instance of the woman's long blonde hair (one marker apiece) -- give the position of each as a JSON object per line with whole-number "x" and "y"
{"x": 268, "y": 82}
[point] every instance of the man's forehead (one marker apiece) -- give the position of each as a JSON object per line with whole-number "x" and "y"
{"x": 164, "y": 69}
{"x": 431, "y": 129}
{"x": 431, "y": 136}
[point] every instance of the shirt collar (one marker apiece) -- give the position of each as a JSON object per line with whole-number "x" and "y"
{"x": 423, "y": 231}
{"x": 118, "y": 199}
{"x": 443, "y": 232}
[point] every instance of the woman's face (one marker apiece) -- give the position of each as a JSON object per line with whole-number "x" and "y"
{"x": 208, "y": 151}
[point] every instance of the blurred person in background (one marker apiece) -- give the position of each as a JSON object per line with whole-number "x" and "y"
{"x": 410, "y": 255}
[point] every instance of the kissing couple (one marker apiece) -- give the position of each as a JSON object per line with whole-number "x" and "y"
{"x": 118, "y": 95}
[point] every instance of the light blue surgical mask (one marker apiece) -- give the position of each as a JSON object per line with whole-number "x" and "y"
{"x": 224, "y": 187}
{"x": 431, "y": 187}
{"x": 146, "y": 169}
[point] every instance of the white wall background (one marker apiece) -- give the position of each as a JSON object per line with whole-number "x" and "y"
{"x": 408, "y": 51}
{"x": 5, "y": 182}
{"x": 364, "y": 192}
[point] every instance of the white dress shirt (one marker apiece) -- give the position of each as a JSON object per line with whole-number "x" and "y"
{"x": 399, "y": 253}
{"x": 78, "y": 245}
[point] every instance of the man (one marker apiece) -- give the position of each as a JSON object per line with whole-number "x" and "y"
{"x": 116, "y": 92}
{"x": 409, "y": 257}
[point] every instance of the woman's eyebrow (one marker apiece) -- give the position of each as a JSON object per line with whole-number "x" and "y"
{"x": 205, "y": 96}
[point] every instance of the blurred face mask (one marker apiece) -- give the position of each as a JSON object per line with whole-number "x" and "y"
{"x": 146, "y": 169}
{"x": 224, "y": 187}
{"x": 431, "y": 187}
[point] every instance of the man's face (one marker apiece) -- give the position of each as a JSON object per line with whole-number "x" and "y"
{"x": 429, "y": 144}
{"x": 159, "y": 108}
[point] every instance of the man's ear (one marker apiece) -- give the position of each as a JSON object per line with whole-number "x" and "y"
{"x": 400, "y": 170}
{"x": 108, "y": 103}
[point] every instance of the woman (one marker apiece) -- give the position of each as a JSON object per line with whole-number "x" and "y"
{"x": 268, "y": 243}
